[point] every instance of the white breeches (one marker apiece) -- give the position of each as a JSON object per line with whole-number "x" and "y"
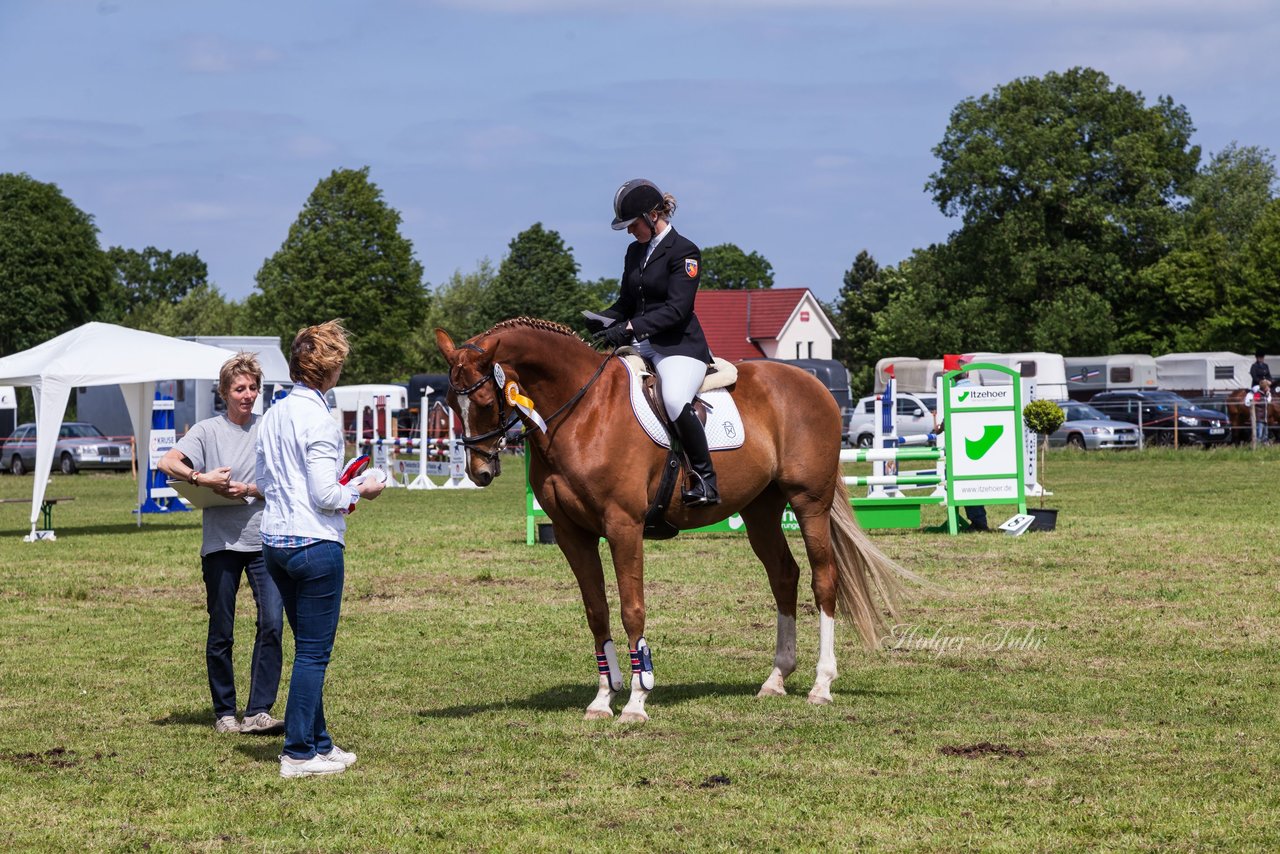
{"x": 681, "y": 377}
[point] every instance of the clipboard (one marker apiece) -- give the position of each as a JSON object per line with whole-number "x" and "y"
{"x": 202, "y": 498}
{"x": 605, "y": 322}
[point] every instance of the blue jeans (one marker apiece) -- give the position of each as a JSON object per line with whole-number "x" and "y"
{"x": 222, "y": 570}
{"x": 310, "y": 580}
{"x": 977, "y": 515}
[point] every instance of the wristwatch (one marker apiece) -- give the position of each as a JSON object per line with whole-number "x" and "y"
{"x": 194, "y": 475}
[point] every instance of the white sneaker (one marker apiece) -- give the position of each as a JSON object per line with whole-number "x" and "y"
{"x": 263, "y": 723}
{"x": 227, "y": 723}
{"x": 313, "y": 767}
{"x": 337, "y": 754}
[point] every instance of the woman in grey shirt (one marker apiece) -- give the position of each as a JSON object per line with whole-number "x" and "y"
{"x": 218, "y": 453}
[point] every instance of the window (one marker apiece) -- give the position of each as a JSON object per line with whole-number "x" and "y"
{"x": 810, "y": 349}
{"x": 1224, "y": 372}
{"x": 1121, "y": 375}
{"x": 1027, "y": 369}
{"x": 798, "y": 350}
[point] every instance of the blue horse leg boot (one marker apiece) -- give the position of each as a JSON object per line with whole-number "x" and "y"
{"x": 642, "y": 666}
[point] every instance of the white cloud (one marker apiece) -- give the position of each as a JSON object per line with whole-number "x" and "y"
{"x": 310, "y": 146}
{"x": 209, "y": 53}
{"x": 198, "y": 211}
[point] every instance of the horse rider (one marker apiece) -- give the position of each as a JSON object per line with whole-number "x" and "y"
{"x": 1259, "y": 370}
{"x": 660, "y": 278}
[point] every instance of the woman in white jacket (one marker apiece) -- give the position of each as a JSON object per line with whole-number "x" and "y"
{"x": 299, "y": 462}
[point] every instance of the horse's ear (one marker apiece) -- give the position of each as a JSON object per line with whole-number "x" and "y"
{"x": 445, "y": 343}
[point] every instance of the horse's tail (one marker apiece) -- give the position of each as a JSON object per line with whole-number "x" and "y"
{"x": 865, "y": 575}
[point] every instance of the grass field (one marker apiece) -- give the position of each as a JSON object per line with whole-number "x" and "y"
{"x": 1112, "y": 684}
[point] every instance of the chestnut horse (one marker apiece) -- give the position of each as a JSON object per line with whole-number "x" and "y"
{"x": 595, "y": 472}
{"x": 1238, "y": 411}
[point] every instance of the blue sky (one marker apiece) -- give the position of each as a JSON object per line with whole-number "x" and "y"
{"x": 799, "y": 130}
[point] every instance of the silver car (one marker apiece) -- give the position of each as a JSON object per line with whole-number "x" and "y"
{"x": 1088, "y": 428}
{"x": 80, "y": 446}
{"x": 916, "y": 414}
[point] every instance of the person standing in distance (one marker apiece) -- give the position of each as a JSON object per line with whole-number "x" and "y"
{"x": 299, "y": 462}
{"x": 1259, "y": 370}
{"x": 660, "y": 277}
{"x": 218, "y": 453}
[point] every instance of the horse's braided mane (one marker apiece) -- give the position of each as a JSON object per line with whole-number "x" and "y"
{"x": 534, "y": 323}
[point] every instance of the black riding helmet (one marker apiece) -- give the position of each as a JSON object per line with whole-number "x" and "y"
{"x": 635, "y": 199}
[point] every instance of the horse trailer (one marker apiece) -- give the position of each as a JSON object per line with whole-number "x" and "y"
{"x": 1088, "y": 375}
{"x": 911, "y": 374}
{"x": 1202, "y": 374}
{"x": 8, "y": 410}
{"x": 1048, "y": 371}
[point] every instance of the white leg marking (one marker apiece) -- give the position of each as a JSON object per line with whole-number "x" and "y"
{"x": 610, "y": 685}
{"x": 602, "y": 706}
{"x": 821, "y": 693}
{"x": 641, "y": 684}
{"x": 784, "y": 658}
{"x": 634, "y": 712}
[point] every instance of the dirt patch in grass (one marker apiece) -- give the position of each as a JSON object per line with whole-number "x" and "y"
{"x": 56, "y": 757}
{"x": 981, "y": 749}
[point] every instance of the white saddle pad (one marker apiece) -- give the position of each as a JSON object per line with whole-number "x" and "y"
{"x": 724, "y": 423}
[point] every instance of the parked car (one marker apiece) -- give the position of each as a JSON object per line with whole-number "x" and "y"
{"x": 1194, "y": 424}
{"x": 915, "y": 415}
{"x": 1091, "y": 429}
{"x": 80, "y": 446}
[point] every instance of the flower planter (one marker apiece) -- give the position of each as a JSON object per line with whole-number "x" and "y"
{"x": 1046, "y": 518}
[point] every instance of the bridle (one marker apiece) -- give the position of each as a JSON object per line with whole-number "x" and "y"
{"x": 505, "y": 419}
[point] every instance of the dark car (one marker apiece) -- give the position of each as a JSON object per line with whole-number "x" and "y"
{"x": 1162, "y": 414}
{"x": 80, "y": 446}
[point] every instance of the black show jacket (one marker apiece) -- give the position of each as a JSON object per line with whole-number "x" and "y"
{"x": 658, "y": 298}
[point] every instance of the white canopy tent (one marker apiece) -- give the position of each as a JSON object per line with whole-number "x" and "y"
{"x": 102, "y": 354}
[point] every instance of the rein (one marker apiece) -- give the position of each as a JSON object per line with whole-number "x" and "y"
{"x": 505, "y": 420}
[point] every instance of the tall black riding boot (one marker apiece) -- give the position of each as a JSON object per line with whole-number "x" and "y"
{"x": 702, "y": 488}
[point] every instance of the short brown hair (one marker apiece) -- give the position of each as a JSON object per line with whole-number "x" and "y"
{"x": 318, "y": 351}
{"x": 240, "y": 363}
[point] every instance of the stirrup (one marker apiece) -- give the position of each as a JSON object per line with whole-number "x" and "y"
{"x": 694, "y": 498}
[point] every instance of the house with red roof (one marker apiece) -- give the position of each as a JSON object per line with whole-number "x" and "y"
{"x": 774, "y": 323}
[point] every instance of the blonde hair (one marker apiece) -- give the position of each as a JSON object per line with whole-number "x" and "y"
{"x": 241, "y": 363}
{"x": 317, "y": 352}
{"x": 667, "y": 209}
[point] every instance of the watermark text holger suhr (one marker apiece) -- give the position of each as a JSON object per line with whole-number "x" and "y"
{"x": 908, "y": 637}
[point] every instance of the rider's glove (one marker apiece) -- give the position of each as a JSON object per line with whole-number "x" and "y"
{"x": 615, "y": 335}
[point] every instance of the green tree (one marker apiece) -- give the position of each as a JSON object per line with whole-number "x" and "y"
{"x": 1232, "y": 190}
{"x": 1255, "y": 317}
{"x": 203, "y": 310}
{"x": 345, "y": 257}
{"x": 1064, "y": 185}
{"x": 53, "y": 273}
{"x": 862, "y": 296}
{"x": 152, "y": 277}
{"x": 453, "y": 309}
{"x": 538, "y": 278}
{"x": 726, "y": 267}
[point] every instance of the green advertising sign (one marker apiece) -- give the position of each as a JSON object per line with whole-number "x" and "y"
{"x": 985, "y": 462}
